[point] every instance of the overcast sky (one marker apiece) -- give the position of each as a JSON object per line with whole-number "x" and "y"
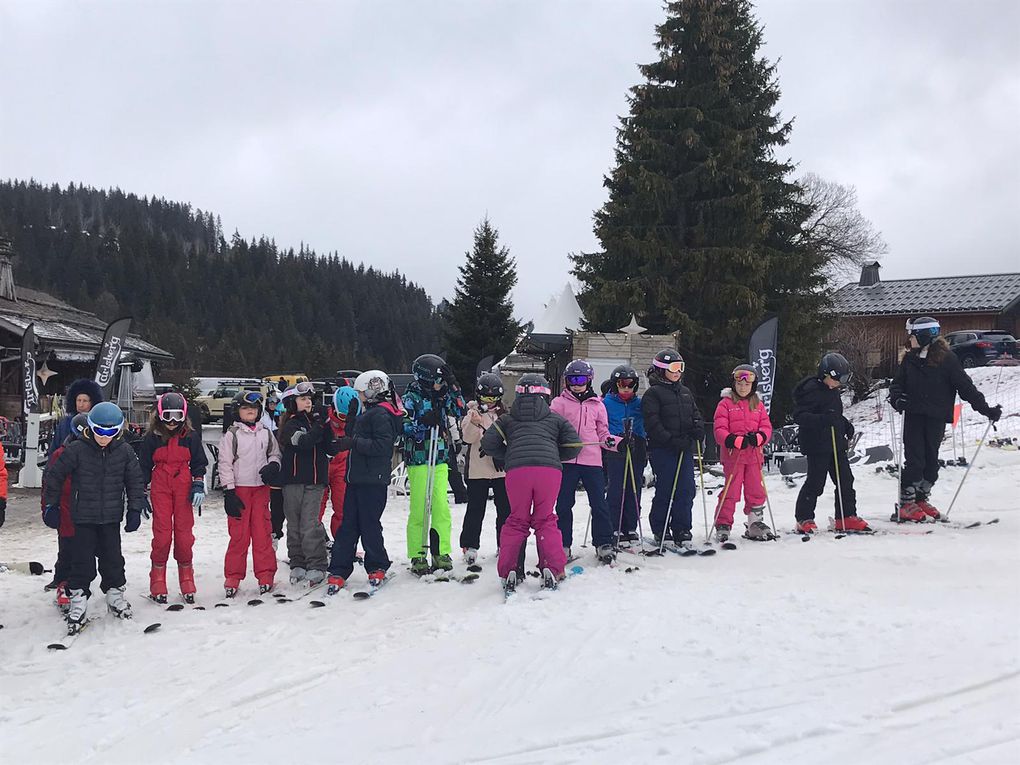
{"x": 387, "y": 130}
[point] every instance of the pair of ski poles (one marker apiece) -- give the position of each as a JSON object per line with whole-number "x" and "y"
{"x": 430, "y": 482}
{"x": 726, "y": 489}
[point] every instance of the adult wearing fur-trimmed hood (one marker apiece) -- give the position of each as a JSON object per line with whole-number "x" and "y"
{"x": 81, "y": 396}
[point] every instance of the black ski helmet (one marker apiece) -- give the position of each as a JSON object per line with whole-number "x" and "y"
{"x": 621, "y": 373}
{"x": 836, "y": 367}
{"x": 80, "y": 425}
{"x": 489, "y": 386}
{"x": 746, "y": 368}
{"x": 667, "y": 359}
{"x": 428, "y": 369}
{"x": 254, "y": 399}
{"x": 533, "y": 384}
{"x": 924, "y": 328}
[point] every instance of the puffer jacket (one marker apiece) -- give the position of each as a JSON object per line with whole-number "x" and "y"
{"x": 306, "y": 444}
{"x": 735, "y": 417}
{"x": 619, "y": 410}
{"x": 478, "y": 466}
{"x": 375, "y": 435}
{"x": 244, "y": 451}
{"x": 100, "y": 477}
{"x": 179, "y": 453}
{"x": 416, "y": 403}
{"x": 817, "y": 410}
{"x": 588, "y": 417}
{"x": 91, "y": 389}
{"x": 531, "y": 435}
{"x": 672, "y": 419}
{"x": 930, "y": 387}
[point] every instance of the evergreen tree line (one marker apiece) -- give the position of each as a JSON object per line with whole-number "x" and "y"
{"x": 220, "y": 307}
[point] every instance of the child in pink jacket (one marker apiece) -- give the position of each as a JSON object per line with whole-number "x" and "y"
{"x": 579, "y": 405}
{"x": 742, "y": 428}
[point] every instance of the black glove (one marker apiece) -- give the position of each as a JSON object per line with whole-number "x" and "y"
{"x": 51, "y": 516}
{"x": 352, "y": 411}
{"x": 315, "y": 417}
{"x": 269, "y": 473}
{"x": 134, "y": 520}
{"x": 431, "y": 418}
{"x": 850, "y": 430}
{"x": 448, "y": 376}
{"x": 500, "y": 465}
{"x": 623, "y": 442}
{"x": 750, "y": 441}
{"x": 900, "y": 402}
{"x": 994, "y": 412}
{"x": 232, "y": 504}
{"x": 731, "y": 441}
{"x": 345, "y": 443}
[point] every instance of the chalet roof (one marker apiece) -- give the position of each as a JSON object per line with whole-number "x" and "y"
{"x": 940, "y": 294}
{"x": 60, "y": 326}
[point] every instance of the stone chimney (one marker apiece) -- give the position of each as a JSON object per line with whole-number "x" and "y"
{"x": 869, "y": 275}
{"x": 7, "y": 291}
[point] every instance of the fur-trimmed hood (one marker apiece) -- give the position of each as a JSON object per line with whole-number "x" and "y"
{"x": 88, "y": 387}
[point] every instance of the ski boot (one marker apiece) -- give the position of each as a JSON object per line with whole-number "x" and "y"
{"x": 549, "y": 580}
{"x": 681, "y": 537}
{"x": 420, "y": 566}
{"x": 63, "y": 599}
{"x": 157, "y": 583}
{"x": 851, "y": 524}
{"x": 334, "y": 585}
{"x": 629, "y": 536}
{"x": 807, "y": 526}
{"x": 567, "y": 555}
{"x": 76, "y": 612}
{"x": 605, "y": 553}
{"x": 230, "y": 593}
{"x": 930, "y": 510}
{"x": 186, "y": 576}
{"x": 315, "y": 577}
{"x": 757, "y": 529}
{"x": 297, "y": 575}
{"x": 117, "y": 604}
{"x": 375, "y": 578}
{"x": 910, "y": 512}
{"x": 722, "y": 532}
{"x": 265, "y": 589}
{"x": 470, "y": 555}
{"x": 442, "y": 563}
{"x": 510, "y": 584}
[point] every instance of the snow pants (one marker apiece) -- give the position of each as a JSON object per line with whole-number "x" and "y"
{"x": 335, "y": 490}
{"x": 664, "y": 465}
{"x": 417, "y": 476}
{"x": 819, "y": 467}
{"x": 621, "y": 493}
{"x": 276, "y": 510}
{"x": 62, "y": 567}
{"x": 532, "y": 493}
{"x": 92, "y": 541}
{"x": 922, "y": 437}
{"x": 173, "y": 519}
{"x": 593, "y": 478}
{"x": 743, "y": 472}
{"x": 363, "y": 511}
{"x": 306, "y": 538}
{"x": 253, "y": 528}
{"x": 456, "y": 480}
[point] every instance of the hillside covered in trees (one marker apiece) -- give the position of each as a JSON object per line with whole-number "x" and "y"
{"x": 219, "y": 306}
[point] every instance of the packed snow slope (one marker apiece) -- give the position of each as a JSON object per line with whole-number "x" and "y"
{"x": 903, "y": 647}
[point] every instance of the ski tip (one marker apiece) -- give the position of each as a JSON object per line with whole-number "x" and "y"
{"x": 283, "y": 600}
{"x": 316, "y": 604}
{"x": 255, "y": 602}
{"x": 175, "y": 607}
{"x": 806, "y": 538}
{"x": 57, "y": 647}
{"x": 362, "y": 595}
{"x": 222, "y": 605}
{"x": 279, "y": 595}
{"x": 151, "y": 628}
{"x": 198, "y": 608}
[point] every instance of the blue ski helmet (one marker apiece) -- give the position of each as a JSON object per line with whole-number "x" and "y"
{"x": 106, "y": 419}
{"x": 925, "y": 329}
{"x": 342, "y": 399}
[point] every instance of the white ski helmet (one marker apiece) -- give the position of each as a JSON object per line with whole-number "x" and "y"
{"x": 374, "y": 384}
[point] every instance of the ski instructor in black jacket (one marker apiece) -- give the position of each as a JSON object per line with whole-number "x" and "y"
{"x": 925, "y": 390}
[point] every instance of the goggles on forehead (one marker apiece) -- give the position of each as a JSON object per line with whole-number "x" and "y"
{"x": 304, "y": 389}
{"x": 744, "y": 375}
{"x": 578, "y": 379}
{"x": 171, "y": 415}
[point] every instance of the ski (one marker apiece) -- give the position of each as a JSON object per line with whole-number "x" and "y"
{"x": 372, "y": 589}
{"x": 509, "y": 586}
{"x": 72, "y": 636}
{"x": 474, "y": 568}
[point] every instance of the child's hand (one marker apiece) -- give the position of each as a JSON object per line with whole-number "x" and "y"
{"x": 134, "y": 520}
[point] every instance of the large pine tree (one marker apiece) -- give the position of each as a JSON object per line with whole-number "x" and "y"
{"x": 702, "y": 229}
{"x": 480, "y": 320}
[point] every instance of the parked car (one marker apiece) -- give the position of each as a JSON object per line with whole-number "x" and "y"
{"x": 212, "y": 405}
{"x": 977, "y": 347}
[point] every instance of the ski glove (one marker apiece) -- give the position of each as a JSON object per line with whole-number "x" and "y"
{"x": 750, "y": 441}
{"x": 232, "y": 504}
{"x": 51, "y": 516}
{"x": 624, "y": 442}
{"x": 900, "y": 402}
{"x": 431, "y": 418}
{"x": 345, "y": 443}
{"x": 352, "y": 411}
{"x": 733, "y": 441}
{"x": 850, "y": 429}
{"x": 134, "y": 520}
{"x": 994, "y": 412}
{"x": 269, "y": 473}
{"x": 197, "y": 495}
{"x": 147, "y": 507}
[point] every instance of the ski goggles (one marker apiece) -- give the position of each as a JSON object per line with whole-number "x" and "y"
{"x": 744, "y": 375}
{"x": 304, "y": 389}
{"x": 626, "y": 384}
{"x": 672, "y": 366}
{"x": 489, "y": 400}
{"x": 252, "y": 398}
{"x": 540, "y": 389}
{"x": 171, "y": 415}
{"x": 99, "y": 430}
{"x": 578, "y": 379}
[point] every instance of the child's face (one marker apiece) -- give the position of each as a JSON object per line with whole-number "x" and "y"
{"x": 673, "y": 376}
{"x": 304, "y": 403}
{"x": 82, "y": 403}
{"x": 102, "y": 441}
{"x": 913, "y": 342}
{"x": 578, "y": 388}
{"x": 829, "y": 382}
{"x": 248, "y": 413}
{"x": 743, "y": 387}
{"x": 171, "y": 425}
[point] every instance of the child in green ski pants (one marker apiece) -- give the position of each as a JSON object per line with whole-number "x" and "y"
{"x": 431, "y": 399}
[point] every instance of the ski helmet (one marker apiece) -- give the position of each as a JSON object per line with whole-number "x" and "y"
{"x": 106, "y": 419}
{"x": 373, "y": 384}
{"x": 625, "y": 374}
{"x": 291, "y": 395}
{"x": 579, "y": 372}
{"x": 80, "y": 425}
{"x": 250, "y": 398}
{"x": 489, "y": 386}
{"x": 745, "y": 371}
{"x": 172, "y": 407}
{"x": 428, "y": 369}
{"x": 924, "y": 328}
{"x": 835, "y": 367}
{"x": 532, "y": 384}
{"x": 342, "y": 398}
{"x": 669, "y": 360}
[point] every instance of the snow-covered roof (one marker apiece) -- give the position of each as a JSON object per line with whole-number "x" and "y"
{"x": 561, "y": 314}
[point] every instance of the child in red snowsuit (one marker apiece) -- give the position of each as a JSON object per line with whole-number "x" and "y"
{"x": 742, "y": 428}
{"x": 173, "y": 465}
{"x": 337, "y": 475}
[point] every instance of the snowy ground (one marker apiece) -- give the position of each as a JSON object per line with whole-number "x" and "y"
{"x": 899, "y": 648}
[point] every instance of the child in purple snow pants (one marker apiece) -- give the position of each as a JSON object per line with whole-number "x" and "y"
{"x": 532, "y": 492}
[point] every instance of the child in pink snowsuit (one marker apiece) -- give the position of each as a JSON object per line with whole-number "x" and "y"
{"x": 742, "y": 427}
{"x": 530, "y": 442}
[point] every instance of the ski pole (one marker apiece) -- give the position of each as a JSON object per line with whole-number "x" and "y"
{"x": 430, "y": 478}
{"x": 637, "y": 504}
{"x": 725, "y": 491}
{"x": 704, "y": 504}
{"x": 623, "y": 496}
{"x": 839, "y": 484}
{"x": 945, "y": 518}
{"x": 587, "y": 525}
{"x": 896, "y": 456}
{"x": 672, "y": 498}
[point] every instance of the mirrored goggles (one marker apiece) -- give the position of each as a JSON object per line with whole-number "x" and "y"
{"x": 252, "y": 398}
{"x": 171, "y": 415}
{"x": 489, "y": 399}
{"x": 626, "y": 384}
{"x": 578, "y": 379}
{"x": 744, "y": 375}
{"x": 304, "y": 389}
{"x": 673, "y": 366}
{"x": 99, "y": 430}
